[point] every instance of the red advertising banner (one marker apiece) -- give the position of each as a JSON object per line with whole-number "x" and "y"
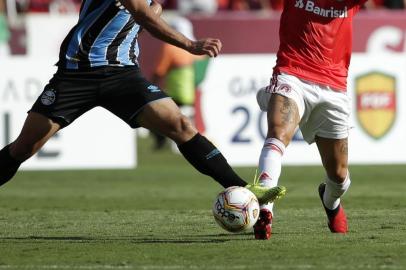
{"x": 247, "y": 33}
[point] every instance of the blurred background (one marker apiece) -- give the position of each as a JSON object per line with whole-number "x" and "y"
{"x": 218, "y": 94}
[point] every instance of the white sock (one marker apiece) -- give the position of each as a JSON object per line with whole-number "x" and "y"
{"x": 270, "y": 165}
{"x": 334, "y": 191}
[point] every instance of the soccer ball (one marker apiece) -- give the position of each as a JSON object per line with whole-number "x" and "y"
{"x": 236, "y": 209}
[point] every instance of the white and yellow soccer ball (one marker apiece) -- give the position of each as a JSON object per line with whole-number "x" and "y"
{"x": 236, "y": 209}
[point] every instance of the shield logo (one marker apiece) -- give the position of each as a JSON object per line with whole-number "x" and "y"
{"x": 376, "y": 103}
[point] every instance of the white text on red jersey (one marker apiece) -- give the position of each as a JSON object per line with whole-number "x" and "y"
{"x": 310, "y": 6}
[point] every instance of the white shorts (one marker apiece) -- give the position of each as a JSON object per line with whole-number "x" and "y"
{"x": 323, "y": 111}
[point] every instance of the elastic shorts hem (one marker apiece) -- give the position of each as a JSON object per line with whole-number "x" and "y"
{"x": 327, "y": 135}
{"x": 56, "y": 119}
{"x": 132, "y": 122}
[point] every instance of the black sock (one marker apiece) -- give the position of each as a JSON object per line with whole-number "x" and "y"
{"x": 8, "y": 165}
{"x": 207, "y": 159}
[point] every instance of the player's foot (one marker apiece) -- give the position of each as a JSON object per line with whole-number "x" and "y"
{"x": 263, "y": 227}
{"x": 337, "y": 220}
{"x": 266, "y": 194}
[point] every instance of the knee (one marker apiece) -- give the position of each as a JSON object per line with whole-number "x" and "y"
{"x": 338, "y": 174}
{"x": 180, "y": 124}
{"x": 180, "y": 129}
{"x": 283, "y": 135}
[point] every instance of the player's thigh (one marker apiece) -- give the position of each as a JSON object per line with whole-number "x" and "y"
{"x": 334, "y": 155}
{"x": 139, "y": 103}
{"x": 283, "y": 118}
{"x": 165, "y": 117}
{"x": 36, "y": 131}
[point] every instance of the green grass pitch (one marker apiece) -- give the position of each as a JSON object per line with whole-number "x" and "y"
{"x": 158, "y": 216}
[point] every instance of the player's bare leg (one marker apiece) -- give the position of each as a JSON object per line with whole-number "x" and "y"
{"x": 35, "y": 133}
{"x": 283, "y": 119}
{"x": 334, "y": 155}
{"x": 164, "y": 116}
{"x": 37, "y": 130}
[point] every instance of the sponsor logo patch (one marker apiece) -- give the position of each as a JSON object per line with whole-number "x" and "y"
{"x": 376, "y": 103}
{"x": 331, "y": 12}
{"x": 48, "y": 97}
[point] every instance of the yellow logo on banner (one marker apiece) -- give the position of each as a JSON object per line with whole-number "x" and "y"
{"x": 376, "y": 103}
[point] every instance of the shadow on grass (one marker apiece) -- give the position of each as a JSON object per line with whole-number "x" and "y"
{"x": 130, "y": 239}
{"x": 233, "y": 236}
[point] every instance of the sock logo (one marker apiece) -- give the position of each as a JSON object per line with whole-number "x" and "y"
{"x": 213, "y": 153}
{"x": 264, "y": 176}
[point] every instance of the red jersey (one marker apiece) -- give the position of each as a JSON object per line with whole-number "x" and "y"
{"x": 316, "y": 40}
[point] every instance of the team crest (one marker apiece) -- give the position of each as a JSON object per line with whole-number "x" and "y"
{"x": 376, "y": 103}
{"x": 48, "y": 97}
{"x": 283, "y": 89}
